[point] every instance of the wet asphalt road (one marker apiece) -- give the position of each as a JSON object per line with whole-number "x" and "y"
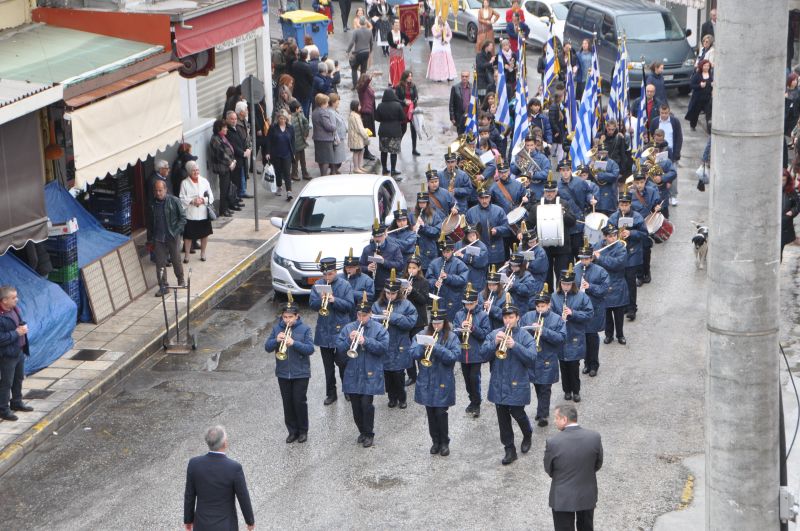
{"x": 123, "y": 465}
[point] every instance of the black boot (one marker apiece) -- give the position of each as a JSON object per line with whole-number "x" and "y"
{"x": 435, "y": 448}
{"x": 510, "y": 457}
{"x": 526, "y": 443}
{"x": 444, "y": 450}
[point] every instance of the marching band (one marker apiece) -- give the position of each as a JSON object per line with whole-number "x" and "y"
{"x": 461, "y": 277}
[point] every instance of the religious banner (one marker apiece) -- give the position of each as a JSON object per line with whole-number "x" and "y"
{"x": 409, "y": 20}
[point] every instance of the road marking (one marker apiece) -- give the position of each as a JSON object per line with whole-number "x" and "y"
{"x": 687, "y": 494}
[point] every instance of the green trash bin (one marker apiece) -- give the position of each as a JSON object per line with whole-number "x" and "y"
{"x": 297, "y": 24}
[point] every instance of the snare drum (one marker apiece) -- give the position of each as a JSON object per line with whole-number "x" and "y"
{"x": 515, "y": 217}
{"x": 550, "y": 224}
{"x": 664, "y": 232}
{"x": 654, "y": 222}
{"x": 593, "y": 227}
{"x": 451, "y": 228}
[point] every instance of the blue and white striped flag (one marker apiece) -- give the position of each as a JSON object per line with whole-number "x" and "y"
{"x": 618, "y": 98}
{"x": 637, "y": 142}
{"x": 624, "y": 90}
{"x": 586, "y": 126}
{"x": 595, "y": 75}
{"x": 502, "y": 113}
{"x": 520, "y": 111}
{"x": 551, "y": 65}
{"x": 471, "y": 122}
{"x": 570, "y": 103}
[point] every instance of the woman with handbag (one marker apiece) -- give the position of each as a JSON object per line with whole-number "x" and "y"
{"x": 281, "y": 152}
{"x": 197, "y": 198}
{"x": 222, "y": 162}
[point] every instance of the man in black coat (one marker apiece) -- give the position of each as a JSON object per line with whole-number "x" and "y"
{"x": 241, "y": 152}
{"x": 303, "y": 81}
{"x": 708, "y": 27}
{"x": 459, "y": 102}
{"x": 572, "y": 459}
{"x": 212, "y": 482}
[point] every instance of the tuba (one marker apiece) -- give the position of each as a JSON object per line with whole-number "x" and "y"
{"x": 525, "y": 163}
{"x": 471, "y": 162}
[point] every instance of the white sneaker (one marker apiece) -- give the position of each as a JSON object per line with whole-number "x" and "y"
{"x": 673, "y": 201}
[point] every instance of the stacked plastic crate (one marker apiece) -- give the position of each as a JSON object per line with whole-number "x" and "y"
{"x": 62, "y": 246}
{"x": 110, "y": 202}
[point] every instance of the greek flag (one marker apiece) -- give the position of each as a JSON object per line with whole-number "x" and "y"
{"x": 471, "y": 122}
{"x": 617, "y": 102}
{"x": 596, "y": 87}
{"x": 501, "y": 115}
{"x": 586, "y": 126}
{"x": 520, "y": 111}
{"x": 570, "y": 103}
{"x": 637, "y": 142}
{"x": 551, "y": 66}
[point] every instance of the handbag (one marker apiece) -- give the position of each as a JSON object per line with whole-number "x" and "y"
{"x": 269, "y": 172}
{"x": 212, "y": 214}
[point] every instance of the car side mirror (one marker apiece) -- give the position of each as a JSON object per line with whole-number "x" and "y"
{"x": 688, "y": 32}
{"x": 276, "y": 222}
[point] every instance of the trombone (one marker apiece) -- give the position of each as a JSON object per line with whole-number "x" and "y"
{"x": 353, "y": 351}
{"x": 426, "y": 358}
{"x": 502, "y": 349}
{"x": 283, "y": 349}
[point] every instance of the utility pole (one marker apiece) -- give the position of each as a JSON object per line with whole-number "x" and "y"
{"x": 742, "y": 477}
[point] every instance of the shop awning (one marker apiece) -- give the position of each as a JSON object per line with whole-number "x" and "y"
{"x": 125, "y": 127}
{"x": 18, "y": 98}
{"x": 217, "y": 27}
{"x": 22, "y": 212}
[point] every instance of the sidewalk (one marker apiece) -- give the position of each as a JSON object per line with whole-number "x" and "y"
{"x": 104, "y": 354}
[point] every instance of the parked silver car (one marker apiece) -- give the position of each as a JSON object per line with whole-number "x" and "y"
{"x": 468, "y": 17}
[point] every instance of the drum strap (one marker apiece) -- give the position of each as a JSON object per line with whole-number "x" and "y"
{"x": 505, "y": 192}
{"x": 436, "y": 202}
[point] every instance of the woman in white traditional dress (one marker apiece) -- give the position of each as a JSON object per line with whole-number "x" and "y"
{"x": 441, "y": 66}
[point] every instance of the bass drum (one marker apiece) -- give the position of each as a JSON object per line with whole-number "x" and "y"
{"x": 550, "y": 224}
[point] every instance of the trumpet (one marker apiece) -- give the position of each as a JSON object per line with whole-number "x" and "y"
{"x": 426, "y": 358}
{"x": 538, "y": 334}
{"x": 283, "y": 349}
{"x": 466, "y": 331}
{"x": 323, "y": 308}
{"x": 410, "y": 287}
{"x": 389, "y": 309}
{"x": 510, "y": 282}
{"x": 353, "y": 351}
{"x": 502, "y": 349}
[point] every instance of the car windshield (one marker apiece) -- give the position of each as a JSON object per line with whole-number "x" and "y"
{"x": 651, "y": 26}
{"x": 335, "y": 213}
{"x": 560, "y": 10}
{"x": 495, "y": 4}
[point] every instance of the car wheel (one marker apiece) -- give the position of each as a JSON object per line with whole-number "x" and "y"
{"x": 472, "y": 32}
{"x": 684, "y": 90}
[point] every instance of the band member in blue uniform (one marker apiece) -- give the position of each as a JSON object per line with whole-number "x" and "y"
{"x": 540, "y": 171}
{"x": 645, "y": 199}
{"x": 400, "y": 316}
{"x": 593, "y": 280}
{"x": 492, "y": 225}
{"x": 491, "y": 299}
{"x": 514, "y": 354}
{"x": 417, "y": 294}
{"x": 447, "y": 276}
{"x": 358, "y": 281}
{"x": 334, "y": 315}
{"x": 549, "y": 343}
{"x": 292, "y": 341}
{"x": 441, "y": 200}
{"x": 520, "y": 282}
{"x": 387, "y": 250}
{"x": 558, "y": 256}
{"x": 580, "y": 201}
{"x": 365, "y": 342}
{"x": 478, "y": 264}
{"x": 474, "y": 326}
{"x": 612, "y": 256}
{"x": 634, "y": 235}
{"x": 507, "y": 193}
{"x": 575, "y": 309}
{"x": 428, "y": 226}
{"x": 535, "y": 256}
{"x": 402, "y": 233}
{"x": 436, "y": 384}
{"x": 454, "y": 178}
{"x": 606, "y": 180}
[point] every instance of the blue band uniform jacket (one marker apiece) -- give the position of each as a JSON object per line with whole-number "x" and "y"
{"x": 401, "y": 321}
{"x": 477, "y": 264}
{"x": 427, "y": 237}
{"x": 296, "y": 365}
{"x": 522, "y": 289}
{"x": 496, "y": 311}
{"x": 452, "y": 286}
{"x": 462, "y": 189}
{"x": 487, "y": 219}
{"x": 607, "y": 182}
{"x": 509, "y": 383}
{"x": 554, "y": 335}
{"x": 359, "y": 283}
{"x": 635, "y": 242}
{"x": 392, "y": 259}
{"x": 436, "y": 385}
{"x": 481, "y": 327}
{"x": 575, "y": 347}
{"x": 364, "y": 375}
{"x": 598, "y": 280}
{"x": 614, "y": 260}
{"x": 328, "y": 328}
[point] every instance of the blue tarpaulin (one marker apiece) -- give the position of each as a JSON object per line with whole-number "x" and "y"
{"x": 48, "y": 311}
{"x": 94, "y": 241}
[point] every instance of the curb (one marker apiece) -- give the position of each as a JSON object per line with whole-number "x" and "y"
{"x": 86, "y": 399}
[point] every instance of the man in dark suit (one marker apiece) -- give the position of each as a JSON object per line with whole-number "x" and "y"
{"x": 708, "y": 27}
{"x": 572, "y": 459}
{"x": 459, "y": 102}
{"x": 212, "y": 480}
{"x": 303, "y": 80}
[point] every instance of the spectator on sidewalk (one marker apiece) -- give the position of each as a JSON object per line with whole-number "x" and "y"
{"x": 240, "y": 153}
{"x": 303, "y": 81}
{"x": 357, "y": 138}
{"x": 179, "y": 166}
{"x": 300, "y": 126}
{"x": 223, "y": 162}
{"x": 244, "y": 131}
{"x": 340, "y": 149}
{"x": 13, "y": 349}
{"x": 322, "y": 82}
{"x": 366, "y": 98}
{"x": 196, "y": 196}
{"x": 212, "y": 482}
{"x": 281, "y": 152}
{"x": 161, "y": 173}
{"x": 165, "y": 222}
{"x": 324, "y": 131}
{"x": 459, "y": 102}
{"x": 390, "y": 114}
{"x": 285, "y": 90}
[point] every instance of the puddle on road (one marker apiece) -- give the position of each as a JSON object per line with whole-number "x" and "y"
{"x": 249, "y": 293}
{"x": 382, "y": 482}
